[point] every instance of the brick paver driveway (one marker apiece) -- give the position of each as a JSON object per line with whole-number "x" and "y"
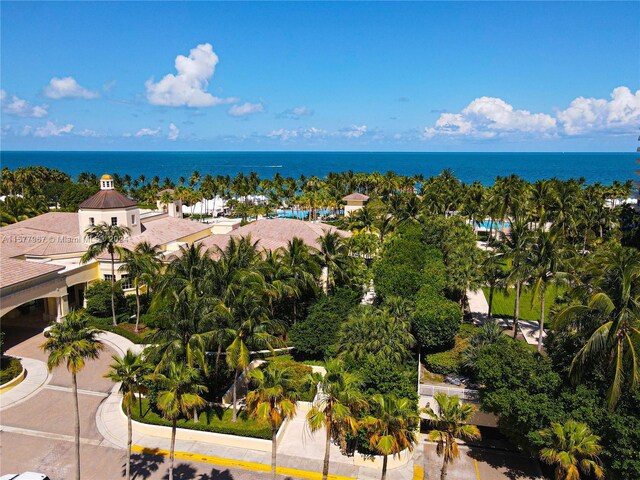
{"x": 37, "y": 435}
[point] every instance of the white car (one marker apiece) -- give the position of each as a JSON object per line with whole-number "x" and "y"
{"x": 46, "y": 333}
{"x": 24, "y": 476}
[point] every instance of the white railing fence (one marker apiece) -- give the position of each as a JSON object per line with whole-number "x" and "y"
{"x": 466, "y": 394}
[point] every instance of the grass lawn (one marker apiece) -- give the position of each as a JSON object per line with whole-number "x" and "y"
{"x": 124, "y": 329}
{"x": 213, "y": 419}
{"x": 504, "y": 303}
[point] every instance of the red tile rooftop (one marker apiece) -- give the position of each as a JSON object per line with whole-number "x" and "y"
{"x": 356, "y": 196}
{"x": 108, "y": 199}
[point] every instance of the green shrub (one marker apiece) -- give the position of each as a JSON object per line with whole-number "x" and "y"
{"x": 447, "y": 362}
{"x": 10, "y": 368}
{"x": 213, "y": 419}
{"x": 98, "y": 297}
{"x": 317, "y": 334}
{"x": 436, "y": 322}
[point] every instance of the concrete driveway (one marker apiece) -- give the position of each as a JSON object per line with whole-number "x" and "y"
{"x": 481, "y": 464}
{"x": 38, "y": 434}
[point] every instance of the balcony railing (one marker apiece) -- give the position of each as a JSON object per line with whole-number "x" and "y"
{"x": 466, "y": 394}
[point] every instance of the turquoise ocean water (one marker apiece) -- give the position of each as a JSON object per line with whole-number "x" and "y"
{"x": 484, "y": 167}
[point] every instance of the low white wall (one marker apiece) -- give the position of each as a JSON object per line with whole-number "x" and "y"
{"x": 206, "y": 437}
{"x": 376, "y": 461}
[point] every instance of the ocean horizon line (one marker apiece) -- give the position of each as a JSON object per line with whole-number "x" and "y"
{"x": 395, "y": 152}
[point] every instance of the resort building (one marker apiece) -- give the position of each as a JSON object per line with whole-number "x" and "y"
{"x": 354, "y": 202}
{"x": 41, "y": 273}
{"x": 42, "y": 277}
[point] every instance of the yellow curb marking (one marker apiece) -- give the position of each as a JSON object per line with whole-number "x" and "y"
{"x": 240, "y": 464}
{"x": 477, "y": 469}
{"x": 418, "y": 472}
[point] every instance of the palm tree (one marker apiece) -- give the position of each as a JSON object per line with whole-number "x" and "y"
{"x": 303, "y": 268}
{"x": 105, "y": 238}
{"x": 128, "y": 371}
{"x": 493, "y": 274}
{"x": 374, "y": 332}
{"x": 336, "y": 407}
{"x": 572, "y": 448}
{"x": 179, "y": 395}
{"x": 615, "y": 304}
{"x": 450, "y": 423}
{"x": 273, "y": 399}
{"x": 142, "y": 265}
{"x": 546, "y": 261}
{"x": 72, "y": 342}
{"x": 391, "y": 426}
{"x": 515, "y": 247}
{"x": 333, "y": 256}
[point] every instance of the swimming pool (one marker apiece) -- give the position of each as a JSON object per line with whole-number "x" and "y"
{"x": 299, "y": 214}
{"x": 487, "y": 224}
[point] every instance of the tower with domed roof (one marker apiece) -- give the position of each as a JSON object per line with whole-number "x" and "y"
{"x": 111, "y": 207}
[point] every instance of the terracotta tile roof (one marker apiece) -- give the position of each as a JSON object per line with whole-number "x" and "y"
{"x": 356, "y": 196}
{"x": 15, "y": 271}
{"x": 53, "y": 233}
{"x": 52, "y": 222}
{"x": 272, "y": 234}
{"x": 108, "y": 199}
{"x": 164, "y": 230}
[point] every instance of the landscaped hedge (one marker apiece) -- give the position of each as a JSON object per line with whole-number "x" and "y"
{"x": 98, "y": 297}
{"x": 10, "y": 369}
{"x": 450, "y": 361}
{"x": 106, "y": 324}
{"x": 213, "y": 419}
{"x": 316, "y": 336}
{"x": 435, "y": 321}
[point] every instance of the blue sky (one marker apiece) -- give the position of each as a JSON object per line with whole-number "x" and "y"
{"x": 430, "y": 76}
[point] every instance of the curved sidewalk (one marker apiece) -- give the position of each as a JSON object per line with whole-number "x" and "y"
{"x": 37, "y": 376}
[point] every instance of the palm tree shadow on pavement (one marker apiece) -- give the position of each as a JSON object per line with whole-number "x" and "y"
{"x": 143, "y": 465}
{"x": 182, "y": 471}
{"x": 516, "y": 466}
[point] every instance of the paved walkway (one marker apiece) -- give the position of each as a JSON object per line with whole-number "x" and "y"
{"x": 298, "y": 448}
{"x": 36, "y": 377}
{"x": 479, "y": 307}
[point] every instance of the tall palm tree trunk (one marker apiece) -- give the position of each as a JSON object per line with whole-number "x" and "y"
{"x": 129, "y": 435}
{"x": 327, "y": 451}
{"x": 516, "y": 310}
{"x": 172, "y": 448}
{"x": 137, "y": 306}
{"x": 113, "y": 289}
{"x": 491, "y": 287}
{"x": 384, "y": 467}
{"x": 274, "y": 448}
{"x": 76, "y": 412}
{"x": 235, "y": 396}
{"x": 541, "y": 326}
{"x": 443, "y": 472}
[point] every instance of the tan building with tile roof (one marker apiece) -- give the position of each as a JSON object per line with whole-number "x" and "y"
{"x": 40, "y": 257}
{"x": 275, "y": 233}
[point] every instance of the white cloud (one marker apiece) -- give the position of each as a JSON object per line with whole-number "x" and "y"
{"x": 67, "y": 87}
{"x": 245, "y": 109}
{"x": 187, "y": 88}
{"x": 88, "y": 133}
{"x": 619, "y": 114}
{"x": 489, "y": 117}
{"x": 306, "y": 133}
{"x": 295, "y": 113}
{"x": 174, "y": 132}
{"x": 49, "y": 130}
{"x": 354, "y": 131}
{"x": 14, "y": 105}
{"x": 147, "y": 132}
